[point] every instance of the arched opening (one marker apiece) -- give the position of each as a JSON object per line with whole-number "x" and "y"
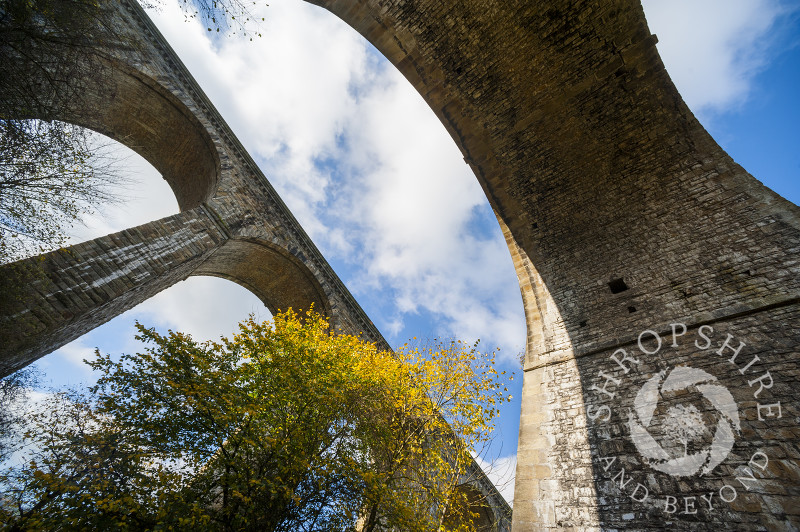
{"x": 140, "y": 117}
{"x": 277, "y": 278}
{"x": 593, "y": 162}
{"x": 428, "y": 259}
{"x": 136, "y": 111}
{"x": 205, "y": 307}
{"x": 142, "y": 195}
{"x": 570, "y": 162}
{"x": 367, "y": 169}
{"x": 63, "y": 184}
{"x": 133, "y": 109}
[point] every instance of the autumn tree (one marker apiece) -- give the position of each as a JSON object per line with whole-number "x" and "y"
{"x": 285, "y": 426}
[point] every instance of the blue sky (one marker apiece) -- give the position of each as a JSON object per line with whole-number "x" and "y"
{"x": 349, "y": 145}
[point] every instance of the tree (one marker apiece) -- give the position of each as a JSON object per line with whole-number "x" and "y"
{"x": 13, "y": 390}
{"x": 230, "y": 16}
{"x": 285, "y": 426}
{"x": 684, "y": 423}
{"x": 50, "y": 172}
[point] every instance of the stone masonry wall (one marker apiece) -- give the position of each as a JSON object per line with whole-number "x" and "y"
{"x": 756, "y": 486}
{"x": 49, "y": 300}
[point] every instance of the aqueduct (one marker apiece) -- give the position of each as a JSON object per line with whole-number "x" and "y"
{"x": 640, "y": 246}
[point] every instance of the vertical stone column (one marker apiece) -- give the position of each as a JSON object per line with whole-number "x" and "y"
{"x": 49, "y": 300}
{"x": 554, "y": 482}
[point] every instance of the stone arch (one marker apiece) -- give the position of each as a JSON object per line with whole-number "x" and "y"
{"x": 135, "y": 110}
{"x": 274, "y": 275}
{"x": 632, "y": 215}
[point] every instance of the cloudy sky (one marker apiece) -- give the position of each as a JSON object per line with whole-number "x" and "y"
{"x": 348, "y": 144}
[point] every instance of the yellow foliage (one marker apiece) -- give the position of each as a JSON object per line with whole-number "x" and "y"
{"x": 286, "y": 425}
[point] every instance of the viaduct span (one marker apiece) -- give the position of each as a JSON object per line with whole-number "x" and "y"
{"x": 659, "y": 279}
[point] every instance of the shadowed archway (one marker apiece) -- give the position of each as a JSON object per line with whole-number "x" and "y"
{"x": 622, "y": 215}
{"x": 277, "y": 278}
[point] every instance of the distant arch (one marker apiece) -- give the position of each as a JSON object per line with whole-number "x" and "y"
{"x": 276, "y": 277}
{"x": 135, "y": 110}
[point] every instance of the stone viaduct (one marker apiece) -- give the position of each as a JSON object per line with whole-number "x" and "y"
{"x": 659, "y": 279}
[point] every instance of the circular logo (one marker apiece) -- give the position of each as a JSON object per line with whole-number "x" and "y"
{"x": 683, "y": 422}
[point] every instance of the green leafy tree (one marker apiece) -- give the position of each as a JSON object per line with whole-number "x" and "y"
{"x": 285, "y": 426}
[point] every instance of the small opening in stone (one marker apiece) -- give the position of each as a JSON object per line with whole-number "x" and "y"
{"x": 617, "y": 286}
{"x": 582, "y": 324}
{"x": 631, "y": 309}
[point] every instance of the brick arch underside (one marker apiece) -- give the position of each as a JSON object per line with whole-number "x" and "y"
{"x": 129, "y": 107}
{"x": 277, "y": 278}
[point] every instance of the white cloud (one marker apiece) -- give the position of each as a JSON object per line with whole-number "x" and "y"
{"x": 364, "y": 165}
{"x": 502, "y": 473}
{"x": 420, "y": 194}
{"x": 712, "y": 49}
{"x": 75, "y": 353}
{"x": 286, "y": 95}
{"x": 415, "y": 208}
{"x": 145, "y": 195}
{"x": 205, "y": 307}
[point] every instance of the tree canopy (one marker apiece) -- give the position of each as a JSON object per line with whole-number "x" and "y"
{"x": 51, "y": 173}
{"x": 285, "y": 426}
{"x": 13, "y": 393}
